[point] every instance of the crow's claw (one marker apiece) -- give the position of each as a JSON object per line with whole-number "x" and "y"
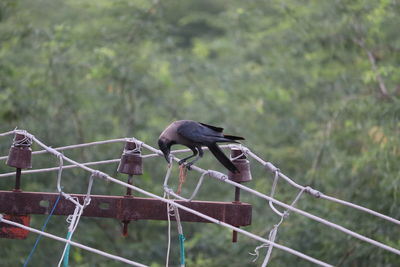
{"x": 189, "y": 166}
{"x": 181, "y": 162}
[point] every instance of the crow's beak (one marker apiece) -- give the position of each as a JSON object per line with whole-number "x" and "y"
{"x": 165, "y": 148}
{"x": 166, "y": 155}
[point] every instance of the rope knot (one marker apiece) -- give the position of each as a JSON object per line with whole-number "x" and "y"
{"x": 168, "y": 190}
{"x": 271, "y": 167}
{"x": 313, "y": 192}
{"x": 24, "y": 142}
{"x": 256, "y": 251}
{"x": 136, "y": 150}
{"x": 217, "y": 175}
{"x": 100, "y": 175}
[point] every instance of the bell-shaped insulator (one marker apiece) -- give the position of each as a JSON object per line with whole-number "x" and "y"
{"x": 131, "y": 160}
{"x": 20, "y": 155}
{"x": 242, "y": 164}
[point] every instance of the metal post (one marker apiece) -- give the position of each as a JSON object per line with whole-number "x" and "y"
{"x": 243, "y": 175}
{"x": 17, "y": 180}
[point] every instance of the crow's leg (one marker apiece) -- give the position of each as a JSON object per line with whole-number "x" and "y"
{"x": 191, "y": 156}
{"x": 189, "y": 164}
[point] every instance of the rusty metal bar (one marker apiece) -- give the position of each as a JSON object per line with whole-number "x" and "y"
{"x": 122, "y": 208}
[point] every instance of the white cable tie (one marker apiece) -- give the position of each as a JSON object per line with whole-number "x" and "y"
{"x": 313, "y": 192}
{"x": 1, "y": 217}
{"x": 217, "y": 175}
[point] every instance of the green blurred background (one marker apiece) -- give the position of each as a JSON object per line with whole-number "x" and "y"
{"x": 314, "y": 86}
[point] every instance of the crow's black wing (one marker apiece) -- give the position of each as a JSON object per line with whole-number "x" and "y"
{"x": 198, "y": 133}
{"x": 215, "y": 128}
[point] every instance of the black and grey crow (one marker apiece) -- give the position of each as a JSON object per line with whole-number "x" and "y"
{"x": 194, "y": 135}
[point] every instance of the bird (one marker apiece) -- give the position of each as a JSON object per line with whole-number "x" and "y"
{"x": 195, "y": 135}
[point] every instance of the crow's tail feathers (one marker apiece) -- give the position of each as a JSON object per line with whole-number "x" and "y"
{"x": 232, "y": 137}
{"x": 222, "y": 158}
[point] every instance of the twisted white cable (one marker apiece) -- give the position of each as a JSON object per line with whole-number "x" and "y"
{"x": 72, "y": 243}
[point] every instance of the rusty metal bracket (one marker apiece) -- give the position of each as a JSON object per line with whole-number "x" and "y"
{"x": 12, "y": 232}
{"x": 122, "y": 208}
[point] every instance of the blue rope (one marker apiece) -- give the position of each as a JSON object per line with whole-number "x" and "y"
{"x": 182, "y": 246}
{"x": 40, "y": 236}
{"x": 66, "y": 256}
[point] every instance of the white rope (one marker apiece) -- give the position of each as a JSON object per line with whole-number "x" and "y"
{"x": 198, "y": 186}
{"x": 172, "y": 210}
{"x": 118, "y": 140}
{"x": 273, "y": 192}
{"x": 166, "y": 195}
{"x": 274, "y": 231}
{"x": 306, "y": 214}
{"x": 109, "y": 178}
{"x": 180, "y": 232}
{"x": 73, "y": 219}
{"x": 171, "y": 192}
{"x": 8, "y": 133}
{"x": 318, "y": 194}
{"x": 101, "y": 162}
{"x": 109, "y": 141}
{"x": 169, "y": 235}
{"x": 72, "y": 243}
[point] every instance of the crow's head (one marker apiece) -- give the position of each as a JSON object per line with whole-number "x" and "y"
{"x": 165, "y": 146}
